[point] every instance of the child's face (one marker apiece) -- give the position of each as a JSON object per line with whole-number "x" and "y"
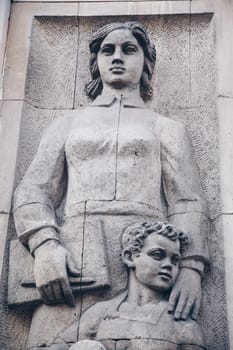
{"x": 157, "y": 265}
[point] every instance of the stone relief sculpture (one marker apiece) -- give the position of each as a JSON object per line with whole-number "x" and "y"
{"x": 109, "y": 165}
{"x": 139, "y": 318}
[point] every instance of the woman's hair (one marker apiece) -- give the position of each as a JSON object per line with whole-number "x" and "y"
{"x": 95, "y": 86}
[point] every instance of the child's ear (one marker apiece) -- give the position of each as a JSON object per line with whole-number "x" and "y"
{"x": 127, "y": 258}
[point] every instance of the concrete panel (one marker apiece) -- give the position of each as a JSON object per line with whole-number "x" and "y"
{"x": 225, "y": 115}
{"x": 145, "y": 8}
{"x": 10, "y": 119}
{"x": 19, "y": 42}
{"x": 200, "y": 6}
{"x": 224, "y": 21}
{"x": 227, "y": 224}
{"x": 52, "y": 62}
{"x": 4, "y": 218}
{"x": 214, "y": 306}
{"x": 64, "y": 1}
{"x": 4, "y": 15}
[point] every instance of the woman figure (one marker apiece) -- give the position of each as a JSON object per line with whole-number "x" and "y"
{"x": 111, "y": 161}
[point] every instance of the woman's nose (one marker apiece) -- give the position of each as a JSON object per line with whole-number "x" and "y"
{"x": 118, "y": 54}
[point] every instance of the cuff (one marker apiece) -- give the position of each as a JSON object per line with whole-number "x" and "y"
{"x": 40, "y": 237}
{"x": 195, "y": 265}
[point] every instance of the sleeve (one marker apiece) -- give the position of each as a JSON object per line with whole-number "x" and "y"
{"x": 182, "y": 189}
{"x": 41, "y": 190}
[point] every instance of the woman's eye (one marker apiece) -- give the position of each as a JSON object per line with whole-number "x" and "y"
{"x": 107, "y": 50}
{"x": 130, "y": 49}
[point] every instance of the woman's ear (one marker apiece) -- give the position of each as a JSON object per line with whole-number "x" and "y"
{"x": 128, "y": 258}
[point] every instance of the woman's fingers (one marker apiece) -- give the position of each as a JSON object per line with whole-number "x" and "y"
{"x": 57, "y": 292}
{"x": 173, "y": 300}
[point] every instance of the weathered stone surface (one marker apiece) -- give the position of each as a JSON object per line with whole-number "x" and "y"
{"x": 227, "y": 221}
{"x": 4, "y": 218}
{"x": 225, "y": 107}
{"x": 213, "y": 319}
{"x": 52, "y": 62}
{"x": 210, "y": 182}
{"x": 10, "y": 119}
{"x": 4, "y": 17}
{"x": 137, "y": 7}
{"x": 18, "y": 43}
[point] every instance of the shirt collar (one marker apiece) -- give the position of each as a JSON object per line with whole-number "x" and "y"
{"x": 127, "y": 101}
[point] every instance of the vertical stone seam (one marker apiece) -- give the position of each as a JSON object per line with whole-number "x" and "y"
{"x": 190, "y": 54}
{"x": 76, "y": 66}
{"x": 82, "y": 260}
{"x": 117, "y": 137}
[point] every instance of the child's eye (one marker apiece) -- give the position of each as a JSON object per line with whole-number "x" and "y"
{"x": 175, "y": 260}
{"x": 157, "y": 254}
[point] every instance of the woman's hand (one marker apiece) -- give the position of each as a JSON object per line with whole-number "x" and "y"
{"x": 185, "y": 298}
{"x": 51, "y": 267}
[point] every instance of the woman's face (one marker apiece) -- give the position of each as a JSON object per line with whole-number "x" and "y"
{"x": 120, "y": 60}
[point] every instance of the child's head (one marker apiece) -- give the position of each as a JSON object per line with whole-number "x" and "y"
{"x": 152, "y": 252}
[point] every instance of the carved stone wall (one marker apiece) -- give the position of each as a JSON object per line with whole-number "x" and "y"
{"x": 185, "y": 88}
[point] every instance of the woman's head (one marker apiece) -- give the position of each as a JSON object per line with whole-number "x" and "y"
{"x": 94, "y": 88}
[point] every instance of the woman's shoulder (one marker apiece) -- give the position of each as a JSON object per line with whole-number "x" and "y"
{"x": 171, "y": 132}
{"x": 168, "y": 125}
{"x": 63, "y": 123}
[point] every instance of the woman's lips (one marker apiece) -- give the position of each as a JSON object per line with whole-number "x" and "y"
{"x": 117, "y": 69}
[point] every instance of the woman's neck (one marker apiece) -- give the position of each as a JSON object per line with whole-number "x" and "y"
{"x": 131, "y": 92}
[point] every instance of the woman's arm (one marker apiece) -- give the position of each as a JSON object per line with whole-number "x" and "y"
{"x": 186, "y": 210}
{"x": 35, "y": 201}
